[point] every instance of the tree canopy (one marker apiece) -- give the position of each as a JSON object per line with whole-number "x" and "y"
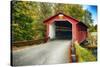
{"x": 28, "y": 16}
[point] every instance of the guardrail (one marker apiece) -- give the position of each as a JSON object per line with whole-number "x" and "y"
{"x": 69, "y": 52}
{"x": 72, "y": 54}
{"x": 29, "y": 42}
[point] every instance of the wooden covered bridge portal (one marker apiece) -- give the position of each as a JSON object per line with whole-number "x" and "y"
{"x": 61, "y": 26}
{"x": 62, "y": 30}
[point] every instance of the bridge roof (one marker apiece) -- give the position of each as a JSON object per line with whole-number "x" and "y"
{"x": 50, "y": 18}
{"x": 53, "y": 17}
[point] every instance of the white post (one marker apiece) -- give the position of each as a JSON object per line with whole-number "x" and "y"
{"x": 52, "y": 31}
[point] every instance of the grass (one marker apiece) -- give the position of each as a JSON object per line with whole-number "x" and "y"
{"x": 83, "y": 54}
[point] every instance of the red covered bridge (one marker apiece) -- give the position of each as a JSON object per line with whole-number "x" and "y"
{"x": 61, "y": 26}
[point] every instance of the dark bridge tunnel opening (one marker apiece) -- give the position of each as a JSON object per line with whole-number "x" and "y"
{"x": 63, "y": 30}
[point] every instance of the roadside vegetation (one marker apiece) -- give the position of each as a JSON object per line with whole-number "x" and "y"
{"x": 83, "y": 55}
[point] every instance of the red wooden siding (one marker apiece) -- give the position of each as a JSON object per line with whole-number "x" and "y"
{"x": 79, "y": 30}
{"x": 82, "y": 32}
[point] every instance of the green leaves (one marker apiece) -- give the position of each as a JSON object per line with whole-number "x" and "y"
{"x": 83, "y": 54}
{"x": 28, "y": 17}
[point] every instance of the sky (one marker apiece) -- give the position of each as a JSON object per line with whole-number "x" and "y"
{"x": 93, "y": 10}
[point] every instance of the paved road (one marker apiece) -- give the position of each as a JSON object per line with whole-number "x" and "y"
{"x": 53, "y": 52}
